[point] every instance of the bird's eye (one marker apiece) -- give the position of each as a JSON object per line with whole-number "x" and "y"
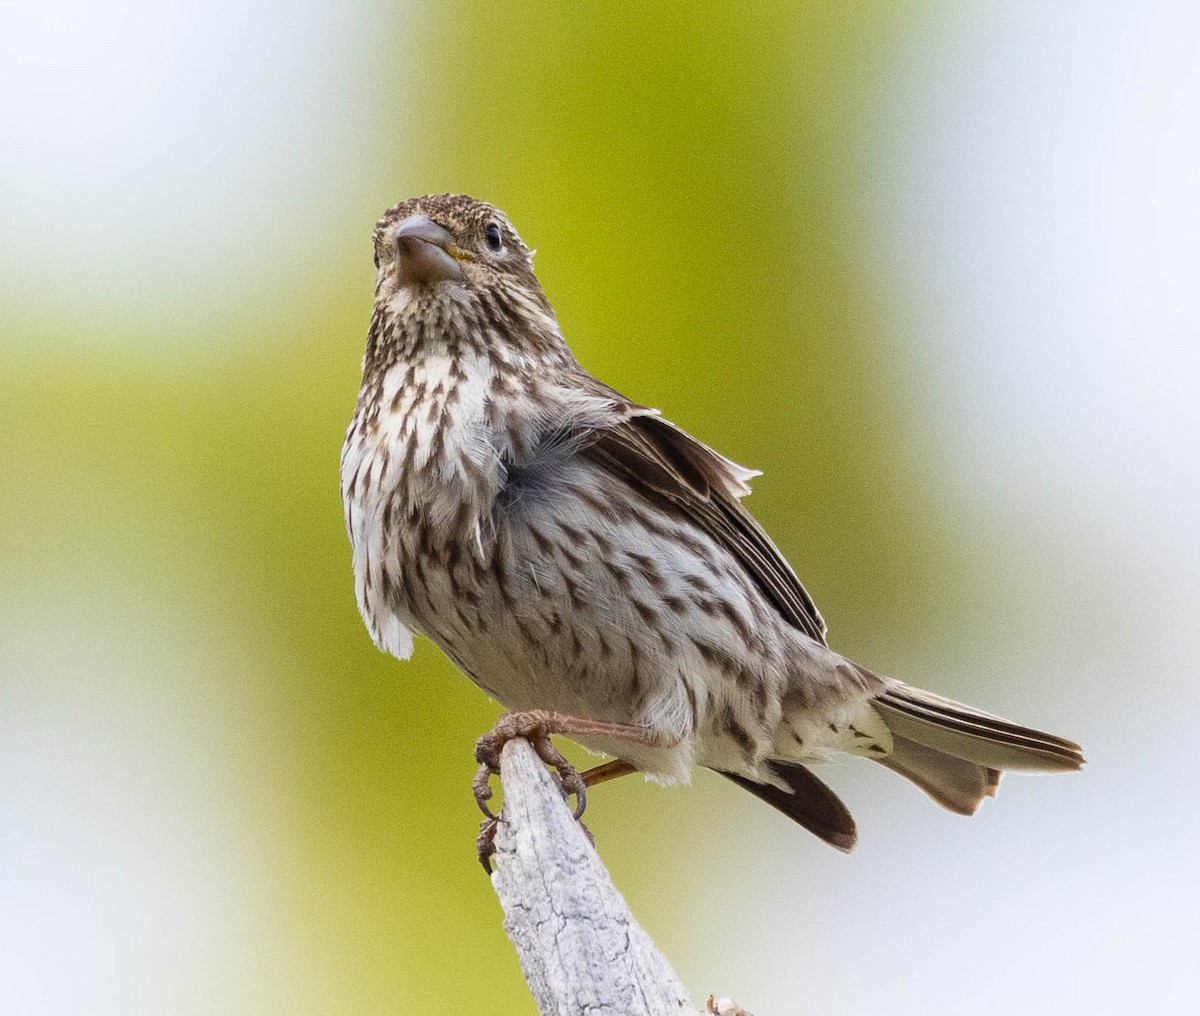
{"x": 376, "y": 257}
{"x": 492, "y": 234}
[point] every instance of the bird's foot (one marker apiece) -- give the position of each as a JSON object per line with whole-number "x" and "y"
{"x": 535, "y": 727}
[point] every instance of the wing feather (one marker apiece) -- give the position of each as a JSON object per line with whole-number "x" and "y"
{"x": 669, "y": 467}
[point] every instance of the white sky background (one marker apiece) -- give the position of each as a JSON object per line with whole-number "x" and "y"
{"x": 1036, "y": 175}
{"x": 1044, "y": 203}
{"x": 161, "y": 158}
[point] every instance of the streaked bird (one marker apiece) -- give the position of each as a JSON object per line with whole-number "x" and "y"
{"x": 576, "y": 554}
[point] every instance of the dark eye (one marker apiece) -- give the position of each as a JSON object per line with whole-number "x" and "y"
{"x": 492, "y": 235}
{"x": 376, "y": 257}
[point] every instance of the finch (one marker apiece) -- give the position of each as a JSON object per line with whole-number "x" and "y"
{"x": 575, "y": 553}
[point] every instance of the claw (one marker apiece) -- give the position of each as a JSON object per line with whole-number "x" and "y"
{"x": 485, "y": 844}
{"x": 572, "y": 783}
{"x": 568, "y": 776}
{"x": 483, "y": 791}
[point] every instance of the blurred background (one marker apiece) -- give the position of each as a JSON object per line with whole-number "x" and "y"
{"x": 933, "y": 268}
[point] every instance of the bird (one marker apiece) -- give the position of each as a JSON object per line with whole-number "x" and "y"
{"x": 592, "y": 567}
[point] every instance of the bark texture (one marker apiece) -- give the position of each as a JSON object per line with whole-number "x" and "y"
{"x": 581, "y": 950}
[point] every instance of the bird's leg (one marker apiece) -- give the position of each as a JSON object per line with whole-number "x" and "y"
{"x": 536, "y": 727}
{"x": 607, "y": 771}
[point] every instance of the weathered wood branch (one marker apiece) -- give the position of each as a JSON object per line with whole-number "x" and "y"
{"x": 581, "y": 950}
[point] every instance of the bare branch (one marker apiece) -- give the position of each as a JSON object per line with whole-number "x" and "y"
{"x": 581, "y": 949}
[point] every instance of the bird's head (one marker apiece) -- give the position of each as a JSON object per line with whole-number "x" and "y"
{"x": 453, "y": 269}
{"x": 449, "y": 240}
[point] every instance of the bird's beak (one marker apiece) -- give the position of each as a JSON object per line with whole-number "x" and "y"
{"x": 427, "y": 252}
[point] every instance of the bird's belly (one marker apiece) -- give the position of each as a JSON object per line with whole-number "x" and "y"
{"x": 614, "y": 618}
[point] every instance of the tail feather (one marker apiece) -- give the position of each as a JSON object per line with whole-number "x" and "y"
{"x": 953, "y": 752}
{"x": 807, "y": 801}
{"x": 956, "y": 753}
{"x": 955, "y": 784}
{"x": 974, "y": 735}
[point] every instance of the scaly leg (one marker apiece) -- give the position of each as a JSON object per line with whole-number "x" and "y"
{"x": 607, "y": 771}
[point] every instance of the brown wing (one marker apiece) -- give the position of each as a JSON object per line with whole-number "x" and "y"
{"x": 669, "y": 466}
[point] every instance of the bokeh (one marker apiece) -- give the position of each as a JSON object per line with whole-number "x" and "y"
{"x": 932, "y": 268}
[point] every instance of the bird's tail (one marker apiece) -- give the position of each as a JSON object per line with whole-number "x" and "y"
{"x": 956, "y": 753}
